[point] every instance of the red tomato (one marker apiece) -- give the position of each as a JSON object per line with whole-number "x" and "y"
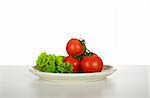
{"x": 75, "y": 47}
{"x": 91, "y": 64}
{"x": 94, "y": 55}
{"x": 74, "y": 62}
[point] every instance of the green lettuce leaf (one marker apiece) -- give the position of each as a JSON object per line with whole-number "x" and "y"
{"x": 52, "y": 63}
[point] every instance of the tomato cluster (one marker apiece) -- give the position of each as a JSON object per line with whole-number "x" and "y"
{"x": 81, "y": 58}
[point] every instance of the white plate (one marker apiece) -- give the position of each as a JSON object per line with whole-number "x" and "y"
{"x": 74, "y": 77}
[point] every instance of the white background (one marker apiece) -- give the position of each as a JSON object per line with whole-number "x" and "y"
{"x": 117, "y": 30}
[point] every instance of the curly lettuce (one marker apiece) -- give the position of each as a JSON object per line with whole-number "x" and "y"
{"x": 52, "y": 63}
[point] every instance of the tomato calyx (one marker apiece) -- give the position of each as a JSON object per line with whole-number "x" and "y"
{"x": 88, "y": 53}
{"x": 82, "y": 41}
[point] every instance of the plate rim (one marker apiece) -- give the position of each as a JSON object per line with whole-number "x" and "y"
{"x": 111, "y": 70}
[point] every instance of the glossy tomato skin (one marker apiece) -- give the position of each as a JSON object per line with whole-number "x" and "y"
{"x": 74, "y": 47}
{"x": 91, "y": 64}
{"x": 74, "y": 62}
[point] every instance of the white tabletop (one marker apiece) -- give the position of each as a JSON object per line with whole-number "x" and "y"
{"x": 126, "y": 82}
